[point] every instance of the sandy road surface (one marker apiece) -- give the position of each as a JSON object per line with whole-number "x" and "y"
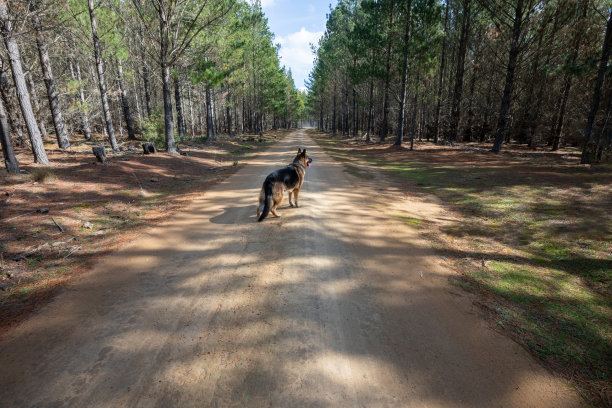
{"x": 323, "y": 307}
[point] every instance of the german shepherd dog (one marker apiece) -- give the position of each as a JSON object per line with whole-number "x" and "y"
{"x": 289, "y": 179}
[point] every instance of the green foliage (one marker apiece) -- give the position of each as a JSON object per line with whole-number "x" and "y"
{"x": 153, "y": 128}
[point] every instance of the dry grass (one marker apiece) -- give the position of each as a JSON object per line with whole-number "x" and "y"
{"x": 99, "y": 207}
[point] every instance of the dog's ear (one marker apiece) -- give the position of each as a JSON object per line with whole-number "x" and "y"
{"x": 304, "y": 152}
{"x": 299, "y": 150}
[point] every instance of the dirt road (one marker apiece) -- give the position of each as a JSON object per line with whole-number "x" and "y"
{"x": 336, "y": 304}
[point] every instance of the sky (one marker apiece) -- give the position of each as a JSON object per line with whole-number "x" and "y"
{"x": 296, "y": 24}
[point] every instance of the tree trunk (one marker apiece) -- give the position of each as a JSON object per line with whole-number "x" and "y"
{"x": 56, "y": 112}
{"x": 567, "y": 83}
{"x": 402, "y": 102}
{"x": 124, "y": 102}
{"x": 510, "y": 71}
{"x": 11, "y": 111}
{"x": 108, "y": 121}
{"x": 209, "y": 117}
{"x": 384, "y": 129}
{"x": 37, "y": 108}
{"x": 414, "y": 114}
{"x": 145, "y": 74}
{"x": 180, "y": 120}
{"x": 458, "y": 92}
{"x": 436, "y": 130}
{"x": 191, "y": 118}
{"x": 167, "y": 96}
{"x": 10, "y": 161}
{"x": 84, "y": 118}
{"x": 603, "y": 63}
{"x": 38, "y": 148}
{"x": 228, "y": 106}
{"x": 334, "y": 114}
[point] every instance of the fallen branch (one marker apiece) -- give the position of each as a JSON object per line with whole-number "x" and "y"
{"x": 57, "y": 225}
{"x": 72, "y": 252}
{"x": 40, "y": 210}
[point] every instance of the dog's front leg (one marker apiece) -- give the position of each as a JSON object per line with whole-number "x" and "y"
{"x": 290, "y": 201}
{"x": 295, "y": 196}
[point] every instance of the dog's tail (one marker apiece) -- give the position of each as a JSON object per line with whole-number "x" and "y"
{"x": 267, "y": 187}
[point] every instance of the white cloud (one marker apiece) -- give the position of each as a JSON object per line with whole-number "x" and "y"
{"x": 267, "y": 3}
{"x": 296, "y": 54}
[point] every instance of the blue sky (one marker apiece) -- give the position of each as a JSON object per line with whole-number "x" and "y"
{"x": 296, "y": 24}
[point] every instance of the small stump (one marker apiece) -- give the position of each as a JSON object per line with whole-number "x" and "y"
{"x": 100, "y": 153}
{"x": 149, "y": 148}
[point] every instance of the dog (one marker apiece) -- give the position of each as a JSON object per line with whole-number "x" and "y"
{"x": 288, "y": 179}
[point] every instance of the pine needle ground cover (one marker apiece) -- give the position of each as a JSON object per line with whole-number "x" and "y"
{"x": 98, "y": 207}
{"x": 532, "y": 240}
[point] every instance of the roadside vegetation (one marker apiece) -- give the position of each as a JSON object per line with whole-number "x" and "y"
{"x": 532, "y": 241}
{"x": 57, "y": 220}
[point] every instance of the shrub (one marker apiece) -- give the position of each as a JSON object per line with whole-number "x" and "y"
{"x": 153, "y": 129}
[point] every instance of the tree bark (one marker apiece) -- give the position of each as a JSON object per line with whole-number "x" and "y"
{"x": 567, "y": 82}
{"x": 458, "y": 92}
{"x": 334, "y": 114}
{"x": 145, "y": 73}
{"x": 82, "y": 108}
{"x": 229, "y": 112}
{"x": 37, "y": 108}
{"x": 402, "y": 102}
{"x": 603, "y": 63}
{"x": 510, "y": 71}
{"x": 436, "y": 131}
{"x": 38, "y": 148}
{"x": 124, "y": 103}
{"x": 209, "y": 118}
{"x": 191, "y": 118}
{"x": 11, "y": 111}
{"x": 45, "y": 63}
{"x": 10, "y": 161}
{"x": 180, "y": 119}
{"x": 384, "y": 129}
{"x": 108, "y": 121}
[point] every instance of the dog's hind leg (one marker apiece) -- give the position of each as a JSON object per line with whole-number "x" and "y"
{"x": 274, "y": 205}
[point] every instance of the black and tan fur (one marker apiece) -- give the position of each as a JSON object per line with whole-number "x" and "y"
{"x": 288, "y": 179}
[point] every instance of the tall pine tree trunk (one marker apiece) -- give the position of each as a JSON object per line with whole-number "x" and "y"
{"x": 10, "y": 161}
{"x": 567, "y": 82}
{"x": 589, "y": 147}
{"x": 56, "y": 112}
{"x": 510, "y": 73}
{"x": 38, "y": 148}
{"x": 124, "y": 103}
{"x": 108, "y": 121}
{"x": 436, "y": 130}
{"x": 37, "y": 108}
{"x": 191, "y": 118}
{"x": 458, "y": 92}
{"x": 180, "y": 119}
{"x": 145, "y": 74}
{"x": 82, "y": 108}
{"x": 209, "y": 116}
{"x": 402, "y": 101}
{"x": 228, "y": 107}
{"x": 384, "y": 129}
{"x": 334, "y": 114}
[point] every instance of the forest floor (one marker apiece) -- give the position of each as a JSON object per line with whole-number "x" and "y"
{"x": 530, "y": 238}
{"x": 98, "y": 207}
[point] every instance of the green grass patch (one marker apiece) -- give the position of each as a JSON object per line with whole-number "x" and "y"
{"x": 546, "y": 235}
